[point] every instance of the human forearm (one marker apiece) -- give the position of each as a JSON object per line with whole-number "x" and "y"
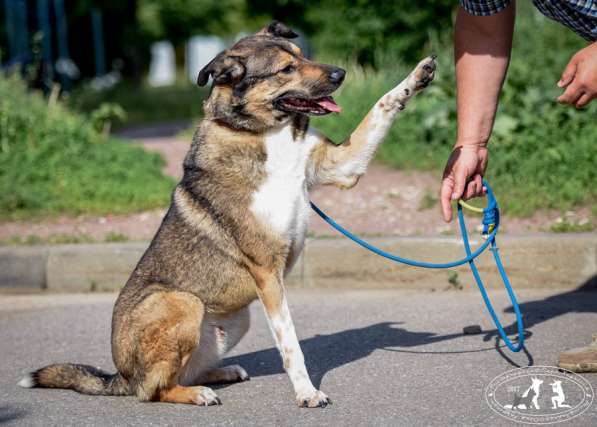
{"x": 482, "y": 47}
{"x": 482, "y": 52}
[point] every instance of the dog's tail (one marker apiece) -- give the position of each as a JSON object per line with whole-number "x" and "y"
{"x": 82, "y": 378}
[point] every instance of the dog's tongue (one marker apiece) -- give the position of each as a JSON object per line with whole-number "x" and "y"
{"x": 329, "y": 104}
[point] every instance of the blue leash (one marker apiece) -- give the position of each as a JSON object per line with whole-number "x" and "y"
{"x": 491, "y": 223}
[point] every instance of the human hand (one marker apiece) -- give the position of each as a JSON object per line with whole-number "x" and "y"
{"x": 463, "y": 176}
{"x": 580, "y": 78}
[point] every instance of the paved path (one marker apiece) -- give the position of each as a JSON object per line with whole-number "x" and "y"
{"x": 385, "y": 358}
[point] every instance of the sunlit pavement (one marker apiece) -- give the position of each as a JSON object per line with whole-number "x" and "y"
{"x": 384, "y": 358}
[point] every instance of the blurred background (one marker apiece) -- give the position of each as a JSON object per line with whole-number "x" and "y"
{"x": 98, "y": 105}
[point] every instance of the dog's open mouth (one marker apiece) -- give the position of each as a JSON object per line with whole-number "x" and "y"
{"x": 315, "y": 106}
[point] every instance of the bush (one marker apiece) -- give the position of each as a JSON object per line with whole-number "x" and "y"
{"x": 542, "y": 154}
{"x": 362, "y": 30}
{"x": 142, "y": 103}
{"x": 52, "y": 161}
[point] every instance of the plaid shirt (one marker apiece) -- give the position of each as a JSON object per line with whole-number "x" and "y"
{"x": 578, "y": 15}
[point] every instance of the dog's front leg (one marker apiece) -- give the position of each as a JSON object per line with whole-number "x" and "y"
{"x": 272, "y": 296}
{"x": 343, "y": 164}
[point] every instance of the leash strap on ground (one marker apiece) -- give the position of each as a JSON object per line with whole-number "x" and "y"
{"x": 491, "y": 222}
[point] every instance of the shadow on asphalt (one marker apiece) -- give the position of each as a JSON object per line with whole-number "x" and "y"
{"x": 324, "y": 353}
{"x": 10, "y": 414}
{"x": 580, "y": 300}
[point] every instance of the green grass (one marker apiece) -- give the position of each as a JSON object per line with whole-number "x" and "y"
{"x": 61, "y": 239}
{"x": 542, "y": 154}
{"x": 53, "y": 162}
{"x": 567, "y": 225}
{"x": 142, "y": 103}
{"x": 115, "y": 237}
{"x": 54, "y": 239}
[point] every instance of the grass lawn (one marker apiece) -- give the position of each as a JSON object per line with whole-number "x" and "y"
{"x": 53, "y": 162}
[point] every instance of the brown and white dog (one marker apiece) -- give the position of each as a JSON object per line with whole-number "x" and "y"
{"x": 236, "y": 225}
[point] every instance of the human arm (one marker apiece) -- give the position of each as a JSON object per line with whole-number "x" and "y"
{"x": 482, "y": 46}
{"x": 580, "y": 78}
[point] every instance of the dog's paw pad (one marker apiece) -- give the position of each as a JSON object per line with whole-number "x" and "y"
{"x": 425, "y": 72}
{"x": 317, "y": 400}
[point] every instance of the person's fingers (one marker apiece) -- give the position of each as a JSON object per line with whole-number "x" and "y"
{"x": 479, "y": 181}
{"x": 568, "y": 74}
{"x": 571, "y": 94}
{"x": 460, "y": 176}
{"x": 445, "y": 196}
{"x": 583, "y": 100}
{"x": 474, "y": 188}
{"x": 471, "y": 190}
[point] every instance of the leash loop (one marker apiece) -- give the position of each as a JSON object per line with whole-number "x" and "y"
{"x": 491, "y": 223}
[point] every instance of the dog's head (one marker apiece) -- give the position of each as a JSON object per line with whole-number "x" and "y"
{"x": 264, "y": 80}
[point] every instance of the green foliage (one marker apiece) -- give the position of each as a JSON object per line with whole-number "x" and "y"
{"x": 542, "y": 154}
{"x": 103, "y": 116}
{"x": 177, "y": 20}
{"x": 362, "y": 30}
{"x": 52, "y": 162}
{"x": 142, "y": 103}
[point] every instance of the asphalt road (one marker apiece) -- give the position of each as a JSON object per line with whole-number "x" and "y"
{"x": 384, "y": 357}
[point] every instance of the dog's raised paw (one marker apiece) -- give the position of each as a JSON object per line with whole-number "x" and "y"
{"x": 425, "y": 72}
{"x": 205, "y": 396}
{"x": 316, "y": 400}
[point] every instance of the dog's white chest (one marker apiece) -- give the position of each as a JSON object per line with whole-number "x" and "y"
{"x": 282, "y": 202}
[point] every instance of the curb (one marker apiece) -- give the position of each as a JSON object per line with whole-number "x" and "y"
{"x": 562, "y": 261}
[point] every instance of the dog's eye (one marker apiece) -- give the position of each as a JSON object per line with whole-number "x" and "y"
{"x": 288, "y": 69}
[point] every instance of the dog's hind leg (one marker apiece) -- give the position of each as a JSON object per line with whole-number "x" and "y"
{"x": 167, "y": 326}
{"x": 219, "y": 334}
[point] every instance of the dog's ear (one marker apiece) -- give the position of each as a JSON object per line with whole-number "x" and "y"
{"x": 224, "y": 69}
{"x": 277, "y": 29}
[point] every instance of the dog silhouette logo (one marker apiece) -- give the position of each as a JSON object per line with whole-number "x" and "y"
{"x": 529, "y": 397}
{"x": 539, "y": 395}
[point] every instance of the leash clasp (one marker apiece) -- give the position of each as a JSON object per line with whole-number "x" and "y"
{"x": 491, "y": 214}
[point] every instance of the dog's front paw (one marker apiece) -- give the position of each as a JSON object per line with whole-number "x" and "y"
{"x": 205, "y": 396}
{"x": 317, "y": 399}
{"x": 424, "y": 72}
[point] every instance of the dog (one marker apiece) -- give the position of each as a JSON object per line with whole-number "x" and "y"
{"x": 529, "y": 397}
{"x": 236, "y": 225}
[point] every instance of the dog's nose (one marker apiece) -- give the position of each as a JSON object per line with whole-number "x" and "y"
{"x": 337, "y": 75}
